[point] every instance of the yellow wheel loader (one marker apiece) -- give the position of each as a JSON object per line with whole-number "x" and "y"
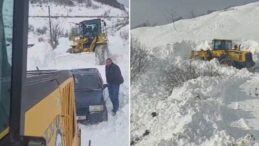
{"x": 226, "y": 54}
{"x": 90, "y": 36}
{"x": 37, "y": 108}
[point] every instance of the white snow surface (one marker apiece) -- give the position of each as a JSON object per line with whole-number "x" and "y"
{"x": 114, "y": 132}
{"x": 207, "y": 111}
{"x": 219, "y": 110}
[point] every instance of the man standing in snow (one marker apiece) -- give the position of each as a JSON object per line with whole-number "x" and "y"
{"x": 114, "y": 79}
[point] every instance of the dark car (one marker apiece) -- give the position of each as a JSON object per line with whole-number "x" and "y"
{"x": 89, "y": 89}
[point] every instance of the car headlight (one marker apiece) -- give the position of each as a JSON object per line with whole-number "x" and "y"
{"x": 96, "y": 108}
{"x": 36, "y": 143}
{"x": 81, "y": 118}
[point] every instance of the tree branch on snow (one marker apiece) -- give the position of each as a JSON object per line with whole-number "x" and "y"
{"x": 56, "y": 32}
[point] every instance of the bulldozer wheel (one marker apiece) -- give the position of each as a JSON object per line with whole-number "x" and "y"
{"x": 254, "y": 69}
{"x": 101, "y": 54}
{"x": 226, "y": 61}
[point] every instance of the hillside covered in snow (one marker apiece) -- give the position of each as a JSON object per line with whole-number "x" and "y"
{"x": 176, "y": 101}
{"x": 236, "y": 23}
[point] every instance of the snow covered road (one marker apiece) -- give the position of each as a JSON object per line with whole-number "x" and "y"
{"x": 114, "y": 132}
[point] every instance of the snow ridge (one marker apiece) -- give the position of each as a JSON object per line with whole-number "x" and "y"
{"x": 217, "y": 110}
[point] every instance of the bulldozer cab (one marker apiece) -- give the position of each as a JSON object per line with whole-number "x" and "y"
{"x": 90, "y": 28}
{"x": 222, "y": 44}
{"x": 90, "y": 36}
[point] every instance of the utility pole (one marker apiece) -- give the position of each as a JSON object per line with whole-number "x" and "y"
{"x": 50, "y": 29}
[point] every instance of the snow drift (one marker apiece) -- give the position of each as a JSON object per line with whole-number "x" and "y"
{"x": 218, "y": 109}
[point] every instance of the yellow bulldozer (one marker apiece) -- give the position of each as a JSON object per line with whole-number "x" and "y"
{"x": 226, "y": 54}
{"x": 90, "y": 36}
{"x": 37, "y": 108}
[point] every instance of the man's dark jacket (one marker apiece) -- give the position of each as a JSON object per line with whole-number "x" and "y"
{"x": 113, "y": 74}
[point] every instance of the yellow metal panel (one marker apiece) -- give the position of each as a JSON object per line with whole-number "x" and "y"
{"x": 236, "y": 55}
{"x": 102, "y": 39}
{"x": 93, "y": 44}
{"x": 57, "y": 110}
{"x": 4, "y": 133}
{"x": 217, "y": 53}
{"x": 40, "y": 116}
{"x": 68, "y": 114}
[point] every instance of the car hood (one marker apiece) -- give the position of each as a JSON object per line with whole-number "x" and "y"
{"x": 84, "y": 98}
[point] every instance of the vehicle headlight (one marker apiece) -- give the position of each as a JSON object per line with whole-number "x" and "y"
{"x": 37, "y": 142}
{"x": 77, "y": 38}
{"x": 96, "y": 108}
{"x": 81, "y": 117}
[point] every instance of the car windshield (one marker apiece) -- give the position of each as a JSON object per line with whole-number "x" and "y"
{"x": 91, "y": 82}
{"x": 6, "y": 25}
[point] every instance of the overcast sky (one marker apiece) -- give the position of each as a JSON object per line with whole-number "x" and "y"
{"x": 160, "y": 11}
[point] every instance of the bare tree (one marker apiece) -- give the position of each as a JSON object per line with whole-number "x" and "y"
{"x": 145, "y": 24}
{"x": 56, "y": 32}
{"x": 177, "y": 75}
{"x": 171, "y": 17}
{"x": 139, "y": 59}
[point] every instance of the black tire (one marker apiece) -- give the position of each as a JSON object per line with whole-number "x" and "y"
{"x": 226, "y": 61}
{"x": 255, "y": 69}
{"x": 250, "y": 64}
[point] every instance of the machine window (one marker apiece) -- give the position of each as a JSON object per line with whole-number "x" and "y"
{"x": 218, "y": 45}
{"x": 228, "y": 45}
{"x": 222, "y": 45}
{"x": 89, "y": 29}
{"x": 6, "y": 25}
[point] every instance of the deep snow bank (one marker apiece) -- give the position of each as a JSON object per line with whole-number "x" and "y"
{"x": 183, "y": 49}
{"x": 39, "y": 55}
{"x": 209, "y": 111}
{"x": 220, "y": 109}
